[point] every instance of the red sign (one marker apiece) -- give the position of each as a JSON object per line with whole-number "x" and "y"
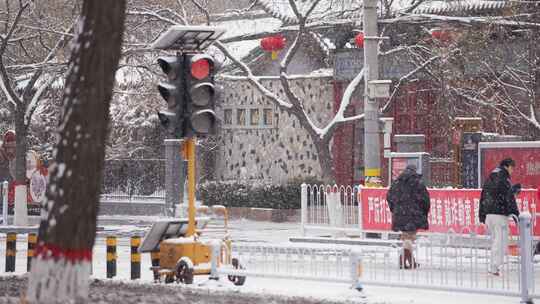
{"x": 455, "y": 209}
{"x": 527, "y": 170}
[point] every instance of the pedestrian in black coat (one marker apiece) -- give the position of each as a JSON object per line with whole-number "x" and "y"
{"x": 497, "y": 202}
{"x": 408, "y": 200}
{"x": 498, "y": 193}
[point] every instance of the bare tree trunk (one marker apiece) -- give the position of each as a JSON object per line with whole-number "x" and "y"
{"x": 61, "y": 269}
{"x": 325, "y": 158}
{"x": 20, "y": 210}
{"x": 21, "y": 130}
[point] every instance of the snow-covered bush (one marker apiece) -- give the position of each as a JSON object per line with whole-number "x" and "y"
{"x": 253, "y": 195}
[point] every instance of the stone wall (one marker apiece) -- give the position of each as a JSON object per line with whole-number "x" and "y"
{"x": 259, "y": 141}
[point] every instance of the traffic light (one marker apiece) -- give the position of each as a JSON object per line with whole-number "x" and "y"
{"x": 200, "y": 93}
{"x": 173, "y": 93}
{"x": 190, "y": 94}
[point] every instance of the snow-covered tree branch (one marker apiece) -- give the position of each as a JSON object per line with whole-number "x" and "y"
{"x": 31, "y": 69}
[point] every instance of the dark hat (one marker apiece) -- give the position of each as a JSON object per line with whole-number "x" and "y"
{"x": 411, "y": 167}
{"x": 507, "y": 162}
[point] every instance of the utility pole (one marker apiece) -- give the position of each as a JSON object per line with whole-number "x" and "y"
{"x": 372, "y": 158}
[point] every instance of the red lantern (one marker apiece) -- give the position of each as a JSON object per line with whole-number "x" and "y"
{"x": 359, "y": 40}
{"x": 273, "y": 44}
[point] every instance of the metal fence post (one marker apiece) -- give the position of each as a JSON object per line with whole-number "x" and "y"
{"x": 11, "y": 251}
{"x": 525, "y": 245}
{"x": 174, "y": 176}
{"x": 32, "y": 240}
{"x": 216, "y": 250}
{"x": 135, "y": 242}
{"x": 111, "y": 256}
{"x": 356, "y": 270}
{"x": 303, "y": 209}
{"x": 5, "y": 189}
{"x": 359, "y": 203}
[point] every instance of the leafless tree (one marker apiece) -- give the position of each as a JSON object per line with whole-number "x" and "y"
{"x": 306, "y": 20}
{"x": 489, "y": 66}
{"x": 510, "y": 81}
{"x": 31, "y": 58}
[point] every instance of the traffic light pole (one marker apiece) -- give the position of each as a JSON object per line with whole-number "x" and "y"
{"x": 372, "y": 159}
{"x": 174, "y": 175}
{"x": 190, "y": 151}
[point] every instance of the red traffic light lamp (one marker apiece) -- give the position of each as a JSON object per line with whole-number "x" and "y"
{"x": 200, "y": 69}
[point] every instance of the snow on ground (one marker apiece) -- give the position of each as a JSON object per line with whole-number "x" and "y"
{"x": 246, "y": 231}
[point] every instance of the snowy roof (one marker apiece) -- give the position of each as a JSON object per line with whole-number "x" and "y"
{"x": 243, "y": 27}
{"x": 351, "y": 9}
{"x": 444, "y": 6}
{"x": 240, "y": 27}
{"x": 325, "y": 9}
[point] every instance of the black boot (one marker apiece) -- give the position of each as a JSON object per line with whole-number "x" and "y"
{"x": 403, "y": 261}
{"x": 409, "y": 260}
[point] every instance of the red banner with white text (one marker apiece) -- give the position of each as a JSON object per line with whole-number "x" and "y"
{"x": 455, "y": 209}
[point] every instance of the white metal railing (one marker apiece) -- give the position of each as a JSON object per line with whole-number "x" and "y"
{"x": 454, "y": 261}
{"x": 330, "y": 208}
{"x": 287, "y": 262}
{"x": 449, "y": 262}
{"x": 355, "y": 210}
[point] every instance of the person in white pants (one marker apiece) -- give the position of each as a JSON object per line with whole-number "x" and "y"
{"x": 498, "y": 230}
{"x": 497, "y": 203}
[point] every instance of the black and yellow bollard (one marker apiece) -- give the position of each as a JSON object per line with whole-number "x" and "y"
{"x": 11, "y": 251}
{"x": 111, "y": 256}
{"x": 32, "y": 240}
{"x": 155, "y": 264}
{"x": 135, "y": 258}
